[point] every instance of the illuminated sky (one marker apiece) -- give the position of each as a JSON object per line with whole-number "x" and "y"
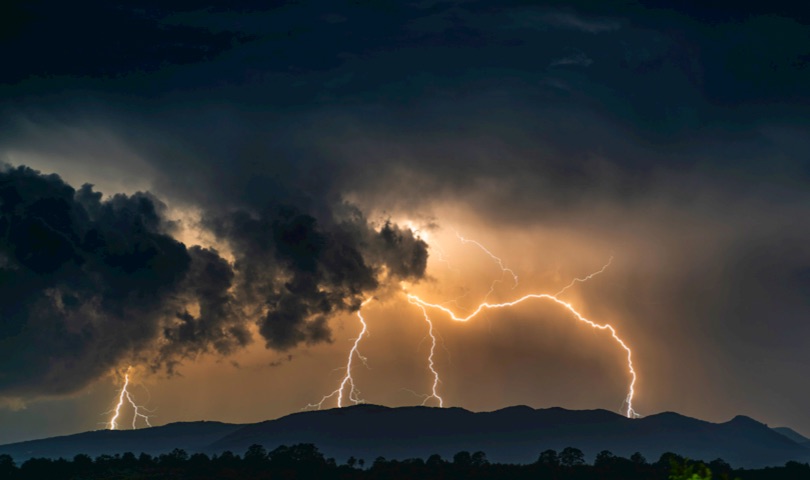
{"x": 294, "y": 161}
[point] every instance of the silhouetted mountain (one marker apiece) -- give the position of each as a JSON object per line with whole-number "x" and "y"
{"x": 793, "y": 435}
{"x": 517, "y": 434}
{"x": 510, "y": 435}
{"x": 190, "y": 436}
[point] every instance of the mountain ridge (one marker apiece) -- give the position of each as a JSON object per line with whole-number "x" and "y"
{"x": 515, "y": 434}
{"x": 793, "y": 435}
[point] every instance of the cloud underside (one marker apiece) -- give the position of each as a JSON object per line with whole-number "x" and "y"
{"x": 88, "y": 284}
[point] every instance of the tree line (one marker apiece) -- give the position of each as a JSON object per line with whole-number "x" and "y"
{"x": 305, "y": 461}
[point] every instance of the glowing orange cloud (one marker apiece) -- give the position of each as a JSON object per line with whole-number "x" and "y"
{"x": 348, "y": 380}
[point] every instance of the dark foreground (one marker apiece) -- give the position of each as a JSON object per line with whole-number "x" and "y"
{"x": 512, "y": 435}
{"x": 304, "y": 461}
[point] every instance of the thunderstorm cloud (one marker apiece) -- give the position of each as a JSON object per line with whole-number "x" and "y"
{"x": 89, "y": 283}
{"x": 297, "y": 141}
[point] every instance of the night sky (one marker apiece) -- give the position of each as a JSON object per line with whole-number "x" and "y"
{"x": 207, "y": 194}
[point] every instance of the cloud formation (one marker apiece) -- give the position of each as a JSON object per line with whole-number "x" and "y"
{"x": 86, "y": 282}
{"x": 576, "y": 59}
{"x": 298, "y": 271}
{"x": 681, "y": 149}
{"x": 89, "y": 284}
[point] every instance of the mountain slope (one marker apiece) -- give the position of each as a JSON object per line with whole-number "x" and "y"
{"x": 514, "y": 435}
{"x": 190, "y": 436}
{"x": 793, "y": 435}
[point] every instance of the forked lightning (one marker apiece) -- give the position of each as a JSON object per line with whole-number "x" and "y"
{"x": 136, "y": 409}
{"x": 348, "y": 380}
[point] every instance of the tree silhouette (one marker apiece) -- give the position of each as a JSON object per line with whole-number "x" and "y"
{"x": 479, "y": 459}
{"x": 7, "y": 467}
{"x": 638, "y": 459}
{"x": 379, "y": 462}
{"x": 549, "y": 458}
{"x": 605, "y": 458}
{"x": 434, "y": 461}
{"x": 667, "y": 459}
{"x": 720, "y": 467}
{"x": 462, "y": 459}
{"x": 256, "y": 457}
{"x": 571, "y": 457}
{"x": 145, "y": 460}
{"x": 198, "y": 464}
{"x": 796, "y": 470}
{"x": 685, "y": 470}
{"x": 305, "y": 461}
{"x": 38, "y": 468}
{"x": 174, "y": 459}
{"x": 226, "y": 460}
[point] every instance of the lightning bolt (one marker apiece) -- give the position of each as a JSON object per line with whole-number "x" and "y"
{"x": 543, "y": 296}
{"x": 431, "y": 364}
{"x": 441, "y": 256}
{"x": 431, "y": 361}
{"x": 504, "y": 268}
{"x": 125, "y": 394}
{"x": 586, "y": 278}
{"x": 354, "y": 393}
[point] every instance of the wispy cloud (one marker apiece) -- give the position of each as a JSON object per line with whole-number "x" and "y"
{"x": 576, "y": 22}
{"x": 577, "y": 59}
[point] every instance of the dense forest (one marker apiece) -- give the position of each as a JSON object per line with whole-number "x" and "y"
{"x": 304, "y": 461}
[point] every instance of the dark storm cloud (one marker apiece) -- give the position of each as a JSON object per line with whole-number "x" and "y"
{"x": 219, "y": 326}
{"x": 301, "y": 254}
{"x": 97, "y": 38}
{"x": 687, "y": 131}
{"x": 90, "y": 283}
{"x": 299, "y": 271}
